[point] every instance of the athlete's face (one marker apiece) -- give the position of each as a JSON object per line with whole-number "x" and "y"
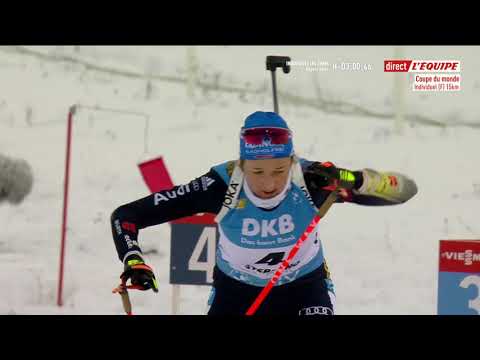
{"x": 267, "y": 178}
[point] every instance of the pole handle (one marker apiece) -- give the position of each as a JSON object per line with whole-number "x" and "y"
{"x": 273, "y": 62}
{"x": 122, "y": 289}
{"x": 127, "y": 305}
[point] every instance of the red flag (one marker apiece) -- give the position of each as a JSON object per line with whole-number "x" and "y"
{"x": 155, "y": 175}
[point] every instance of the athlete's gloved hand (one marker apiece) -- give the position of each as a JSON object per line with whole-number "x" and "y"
{"x": 140, "y": 274}
{"x": 327, "y": 176}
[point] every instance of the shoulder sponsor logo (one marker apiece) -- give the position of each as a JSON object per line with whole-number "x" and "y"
{"x": 195, "y": 185}
{"x": 230, "y": 194}
{"x": 182, "y": 190}
{"x": 206, "y": 182}
{"x": 166, "y": 195}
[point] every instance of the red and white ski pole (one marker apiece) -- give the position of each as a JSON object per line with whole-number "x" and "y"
{"x": 285, "y": 263}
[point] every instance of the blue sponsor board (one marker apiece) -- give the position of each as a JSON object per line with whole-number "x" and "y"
{"x": 458, "y": 293}
{"x": 459, "y": 277}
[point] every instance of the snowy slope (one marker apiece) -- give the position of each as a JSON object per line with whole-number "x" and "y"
{"x": 383, "y": 260}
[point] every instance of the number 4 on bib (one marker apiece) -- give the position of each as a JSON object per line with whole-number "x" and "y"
{"x": 272, "y": 259}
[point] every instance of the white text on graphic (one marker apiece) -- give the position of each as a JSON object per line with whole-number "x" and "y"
{"x": 130, "y": 243}
{"x": 252, "y": 227}
{"x": 468, "y": 257}
{"x": 164, "y": 196}
{"x": 421, "y": 66}
{"x": 436, "y": 82}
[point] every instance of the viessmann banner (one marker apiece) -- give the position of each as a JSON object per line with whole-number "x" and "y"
{"x": 459, "y": 277}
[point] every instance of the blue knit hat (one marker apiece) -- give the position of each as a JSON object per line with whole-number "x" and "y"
{"x": 265, "y": 150}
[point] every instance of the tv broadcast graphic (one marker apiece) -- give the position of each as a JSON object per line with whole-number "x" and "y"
{"x": 239, "y": 180}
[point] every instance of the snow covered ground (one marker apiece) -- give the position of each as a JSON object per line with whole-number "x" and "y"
{"x": 383, "y": 260}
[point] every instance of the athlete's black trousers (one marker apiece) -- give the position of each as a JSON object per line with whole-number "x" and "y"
{"x": 308, "y": 295}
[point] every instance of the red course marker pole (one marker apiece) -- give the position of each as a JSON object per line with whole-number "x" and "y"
{"x": 65, "y": 205}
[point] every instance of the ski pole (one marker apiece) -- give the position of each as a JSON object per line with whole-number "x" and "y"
{"x": 285, "y": 263}
{"x": 122, "y": 289}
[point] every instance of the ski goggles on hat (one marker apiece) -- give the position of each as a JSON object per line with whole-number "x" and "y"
{"x": 261, "y": 135}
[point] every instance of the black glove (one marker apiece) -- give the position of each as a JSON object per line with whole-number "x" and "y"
{"x": 328, "y": 176}
{"x": 140, "y": 274}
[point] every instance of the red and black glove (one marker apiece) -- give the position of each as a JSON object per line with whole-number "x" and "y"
{"x": 327, "y": 176}
{"x": 140, "y": 274}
